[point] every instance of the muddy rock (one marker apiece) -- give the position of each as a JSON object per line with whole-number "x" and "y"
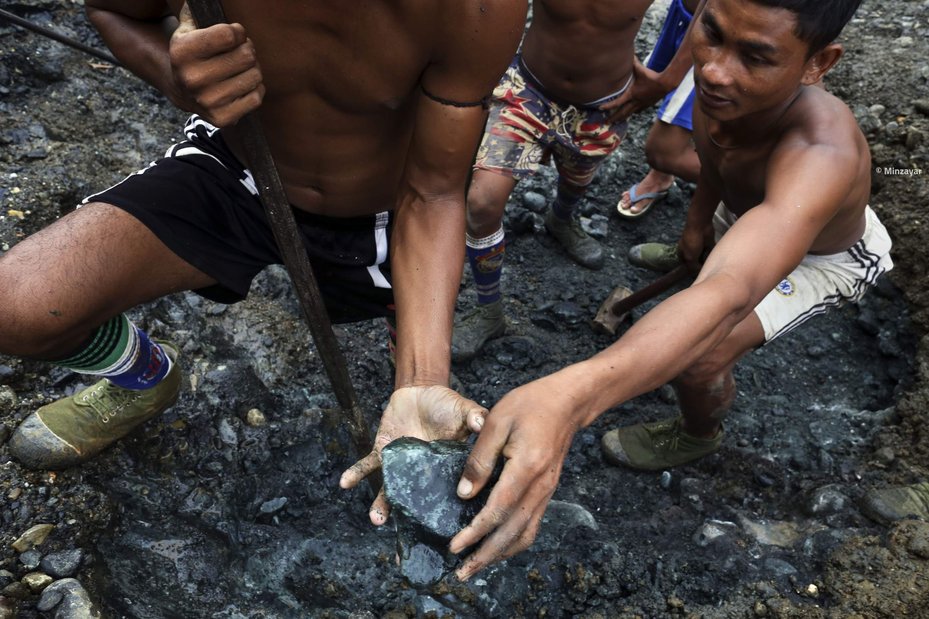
{"x": 420, "y": 481}
{"x": 62, "y": 564}
{"x": 67, "y": 599}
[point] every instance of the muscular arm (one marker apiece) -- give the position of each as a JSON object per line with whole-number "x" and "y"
{"x": 533, "y": 425}
{"x": 806, "y": 186}
{"x": 429, "y": 229}
{"x": 650, "y": 86}
{"x": 138, "y": 33}
{"x": 212, "y": 71}
{"x": 473, "y": 51}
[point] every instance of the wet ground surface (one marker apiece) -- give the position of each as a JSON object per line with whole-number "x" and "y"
{"x": 228, "y": 505}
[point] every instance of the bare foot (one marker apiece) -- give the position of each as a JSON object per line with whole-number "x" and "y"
{"x": 654, "y": 181}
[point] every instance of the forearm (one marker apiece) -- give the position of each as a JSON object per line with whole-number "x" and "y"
{"x": 657, "y": 348}
{"x": 680, "y": 63}
{"x": 141, "y": 45}
{"x": 426, "y": 262}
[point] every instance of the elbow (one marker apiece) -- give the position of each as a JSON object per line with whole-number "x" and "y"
{"x": 733, "y": 298}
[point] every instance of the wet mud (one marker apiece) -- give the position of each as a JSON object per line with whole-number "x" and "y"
{"x": 228, "y": 505}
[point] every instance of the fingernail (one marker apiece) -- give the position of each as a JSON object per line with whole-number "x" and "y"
{"x": 465, "y": 487}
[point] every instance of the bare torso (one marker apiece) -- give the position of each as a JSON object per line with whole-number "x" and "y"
{"x": 582, "y": 50}
{"x": 338, "y": 113}
{"x": 816, "y": 117}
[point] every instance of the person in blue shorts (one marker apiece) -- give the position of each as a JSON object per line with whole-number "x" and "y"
{"x": 669, "y": 148}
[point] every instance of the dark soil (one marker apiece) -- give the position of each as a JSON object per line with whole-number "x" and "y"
{"x": 210, "y": 512}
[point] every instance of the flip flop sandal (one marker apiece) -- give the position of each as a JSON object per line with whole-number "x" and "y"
{"x": 654, "y": 196}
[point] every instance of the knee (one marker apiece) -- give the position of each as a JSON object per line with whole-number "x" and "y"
{"x": 658, "y": 156}
{"x": 711, "y": 372}
{"x": 485, "y": 213}
{"x": 28, "y": 331}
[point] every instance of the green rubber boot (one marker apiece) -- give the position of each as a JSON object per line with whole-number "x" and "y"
{"x": 656, "y": 446}
{"x": 891, "y": 504}
{"x": 485, "y": 322}
{"x": 660, "y": 257}
{"x": 73, "y": 430}
{"x": 580, "y": 246}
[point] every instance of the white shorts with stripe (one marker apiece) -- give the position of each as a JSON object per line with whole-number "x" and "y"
{"x": 820, "y": 282}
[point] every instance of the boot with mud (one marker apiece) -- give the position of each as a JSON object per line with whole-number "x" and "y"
{"x": 485, "y": 322}
{"x": 891, "y": 504}
{"x": 660, "y": 257}
{"x": 579, "y": 245}
{"x": 657, "y": 446}
{"x": 73, "y": 430}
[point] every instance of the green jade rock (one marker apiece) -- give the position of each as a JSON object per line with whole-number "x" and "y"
{"x": 420, "y": 481}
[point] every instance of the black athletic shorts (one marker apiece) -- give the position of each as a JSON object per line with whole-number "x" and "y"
{"x": 202, "y": 203}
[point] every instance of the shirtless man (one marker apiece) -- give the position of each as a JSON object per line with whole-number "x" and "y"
{"x": 785, "y": 173}
{"x": 557, "y": 98}
{"x": 373, "y": 116}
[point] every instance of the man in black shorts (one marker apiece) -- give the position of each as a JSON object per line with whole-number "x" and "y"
{"x": 372, "y": 117}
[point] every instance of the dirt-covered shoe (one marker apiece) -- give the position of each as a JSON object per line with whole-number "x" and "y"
{"x": 656, "y": 446}
{"x": 75, "y": 429}
{"x": 581, "y": 247}
{"x": 659, "y": 257}
{"x": 890, "y": 504}
{"x": 485, "y": 322}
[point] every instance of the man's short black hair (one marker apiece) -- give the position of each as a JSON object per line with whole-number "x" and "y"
{"x": 819, "y": 22}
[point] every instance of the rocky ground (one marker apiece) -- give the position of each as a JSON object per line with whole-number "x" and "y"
{"x": 228, "y": 505}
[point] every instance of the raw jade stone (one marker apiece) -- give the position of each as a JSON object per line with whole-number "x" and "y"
{"x": 420, "y": 481}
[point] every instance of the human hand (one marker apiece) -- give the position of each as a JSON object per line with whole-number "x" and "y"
{"x": 532, "y": 428}
{"x": 645, "y": 90}
{"x": 694, "y": 246}
{"x": 430, "y": 413}
{"x": 216, "y": 72}
{"x": 690, "y": 248}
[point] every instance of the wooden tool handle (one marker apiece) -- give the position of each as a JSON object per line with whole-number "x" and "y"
{"x": 650, "y": 291}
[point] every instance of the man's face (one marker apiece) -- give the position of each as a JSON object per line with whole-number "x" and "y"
{"x": 747, "y": 58}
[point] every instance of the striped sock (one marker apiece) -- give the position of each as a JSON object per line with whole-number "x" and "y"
{"x": 566, "y": 200}
{"x": 486, "y": 259}
{"x": 123, "y": 353}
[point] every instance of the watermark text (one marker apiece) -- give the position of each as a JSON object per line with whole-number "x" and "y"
{"x": 892, "y": 171}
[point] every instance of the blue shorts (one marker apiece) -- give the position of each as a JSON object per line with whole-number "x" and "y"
{"x": 677, "y": 106}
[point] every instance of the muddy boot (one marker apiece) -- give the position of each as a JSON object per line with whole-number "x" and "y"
{"x": 581, "y": 247}
{"x": 891, "y": 504}
{"x": 75, "y": 429}
{"x": 484, "y": 322}
{"x": 656, "y": 446}
{"x": 659, "y": 257}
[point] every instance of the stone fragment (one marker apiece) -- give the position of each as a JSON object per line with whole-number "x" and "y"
{"x": 255, "y": 418}
{"x": 8, "y": 399}
{"x": 826, "y": 500}
{"x": 68, "y": 599}
{"x": 535, "y": 202}
{"x": 273, "y": 505}
{"x": 34, "y": 536}
{"x": 30, "y": 559}
{"x": 16, "y": 590}
{"x": 36, "y": 581}
{"x": 711, "y": 530}
{"x": 62, "y": 564}
{"x": 420, "y": 483}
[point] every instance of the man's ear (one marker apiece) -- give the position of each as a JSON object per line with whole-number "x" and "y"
{"x": 819, "y": 63}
